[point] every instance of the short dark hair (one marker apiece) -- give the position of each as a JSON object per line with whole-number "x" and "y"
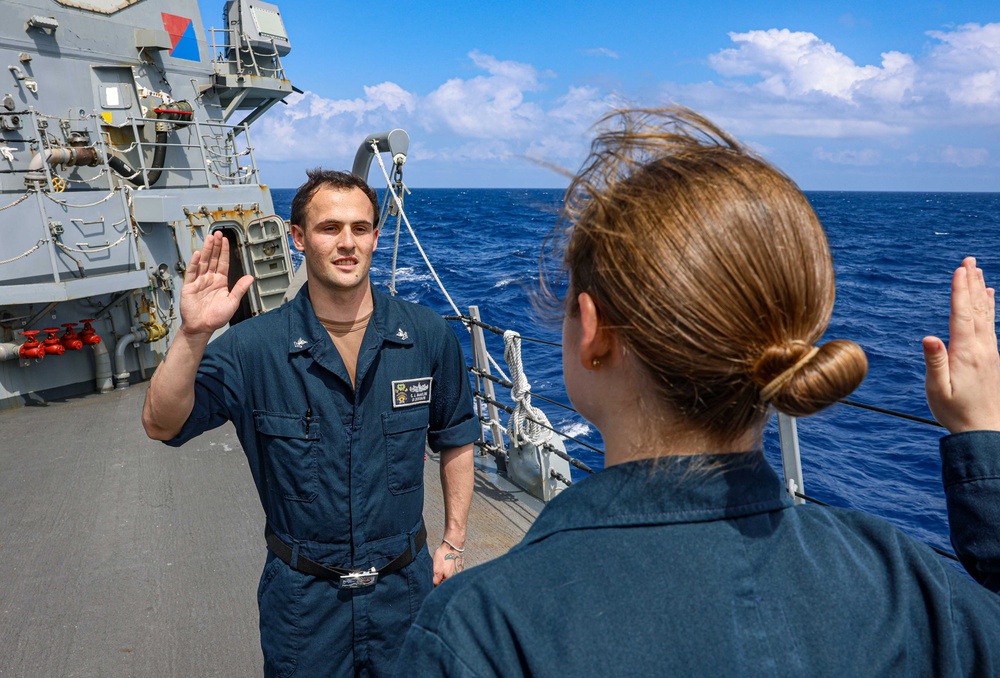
{"x": 338, "y": 181}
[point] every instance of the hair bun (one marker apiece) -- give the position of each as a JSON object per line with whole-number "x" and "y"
{"x": 800, "y": 379}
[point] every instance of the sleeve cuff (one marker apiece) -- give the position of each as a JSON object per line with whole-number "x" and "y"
{"x": 970, "y": 456}
{"x": 462, "y": 434}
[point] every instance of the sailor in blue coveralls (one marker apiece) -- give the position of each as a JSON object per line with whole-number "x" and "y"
{"x": 333, "y": 396}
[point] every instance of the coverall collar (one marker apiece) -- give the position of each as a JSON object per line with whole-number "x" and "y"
{"x": 648, "y": 492}
{"x": 305, "y": 329}
{"x": 307, "y": 334}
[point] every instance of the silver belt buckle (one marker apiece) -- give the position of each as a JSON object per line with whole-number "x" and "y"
{"x": 358, "y": 580}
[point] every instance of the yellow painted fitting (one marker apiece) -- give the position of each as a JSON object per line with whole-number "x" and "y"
{"x": 156, "y": 331}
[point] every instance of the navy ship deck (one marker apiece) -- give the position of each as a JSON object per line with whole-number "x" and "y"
{"x": 123, "y": 557}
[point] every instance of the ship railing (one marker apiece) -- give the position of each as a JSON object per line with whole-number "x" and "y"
{"x": 233, "y": 59}
{"x": 220, "y": 153}
{"x": 207, "y": 152}
{"x": 489, "y": 406}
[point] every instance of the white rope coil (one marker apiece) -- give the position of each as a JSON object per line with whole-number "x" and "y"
{"x": 526, "y": 423}
{"x": 238, "y": 175}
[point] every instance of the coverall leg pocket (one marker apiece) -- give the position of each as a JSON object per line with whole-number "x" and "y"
{"x": 279, "y": 598}
{"x": 419, "y": 580}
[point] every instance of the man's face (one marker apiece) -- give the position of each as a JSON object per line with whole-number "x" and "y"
{"x": 338, "y": 238}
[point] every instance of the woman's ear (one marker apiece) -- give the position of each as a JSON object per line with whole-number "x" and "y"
{"x": 595, "y": 340}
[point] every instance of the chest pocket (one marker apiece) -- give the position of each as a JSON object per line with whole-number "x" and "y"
{"x": 290, "y": 453}
{"x": 405, "y": 436}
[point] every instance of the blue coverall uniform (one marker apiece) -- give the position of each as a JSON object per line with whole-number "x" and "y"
{"x": 339, "y": 470}
{"x": 651, "y": 569}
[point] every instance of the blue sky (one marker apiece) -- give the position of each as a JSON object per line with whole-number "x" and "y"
{"x": 842, "y": 96}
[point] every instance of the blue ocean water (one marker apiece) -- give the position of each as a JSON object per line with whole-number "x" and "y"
{"x": 893, "y": 254}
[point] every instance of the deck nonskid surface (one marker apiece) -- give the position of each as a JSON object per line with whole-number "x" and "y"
{"x": 123, "y": 557}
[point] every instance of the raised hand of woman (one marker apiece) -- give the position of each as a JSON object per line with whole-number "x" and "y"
{"x": 963, "y": 380}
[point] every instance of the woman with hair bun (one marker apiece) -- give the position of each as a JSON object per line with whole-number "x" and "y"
{"x": 700, "y": 285}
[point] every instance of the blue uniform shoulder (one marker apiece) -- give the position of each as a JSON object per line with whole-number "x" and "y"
{"x": 265, "y": 322}
{"x": 396, "y": 314}
{"x": 266, "y": 332}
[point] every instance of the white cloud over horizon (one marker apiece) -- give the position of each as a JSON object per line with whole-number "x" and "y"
{"x": 775, "y": 84}
{"x": 794, "y": 64}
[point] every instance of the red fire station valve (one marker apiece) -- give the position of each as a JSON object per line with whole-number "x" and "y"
{"x": 70, "y": 339}
{"x": 51, "y": 343}
{"x": 88, "y": 336}
{"x": 31, "y": 348}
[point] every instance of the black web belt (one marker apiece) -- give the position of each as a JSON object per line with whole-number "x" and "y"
{"x": 347, "y": 579}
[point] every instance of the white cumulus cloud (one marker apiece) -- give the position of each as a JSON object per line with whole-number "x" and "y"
{"x": 793, "y": 64}
{"x": 497, "y": 113}
{"x": 966, "y": 65}
{"x": 773, "y": 84}
{"x": 783, "y": 83}
{"x": 487, "y": 106}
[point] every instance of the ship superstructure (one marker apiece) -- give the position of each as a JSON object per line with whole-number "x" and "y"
{"x": 118, "y": 155}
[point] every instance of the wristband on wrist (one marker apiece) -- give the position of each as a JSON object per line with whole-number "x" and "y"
{"x": 454, "y": 548}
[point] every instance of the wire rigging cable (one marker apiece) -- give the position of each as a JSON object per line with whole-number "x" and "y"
{"x": 399, "y": 206}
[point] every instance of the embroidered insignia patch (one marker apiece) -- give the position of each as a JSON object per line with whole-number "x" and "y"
{"x": 401, "y": 334}
{"x": 300, "y": 342}
{"x": 409, "y": 392}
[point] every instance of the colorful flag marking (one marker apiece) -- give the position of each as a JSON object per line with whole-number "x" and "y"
{"x": 182, "y": 38}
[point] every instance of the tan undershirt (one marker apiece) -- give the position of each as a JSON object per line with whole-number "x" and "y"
{"x": 347, "y": 337}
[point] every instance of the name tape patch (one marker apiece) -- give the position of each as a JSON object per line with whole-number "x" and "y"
{"x": 408, "y": 392}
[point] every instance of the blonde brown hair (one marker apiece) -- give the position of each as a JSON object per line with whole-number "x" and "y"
{"x": 710, "y": 266}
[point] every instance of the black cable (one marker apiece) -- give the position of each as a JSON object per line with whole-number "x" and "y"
{"x": 891, "y": 413}
{"x": 497, "y": 330}
{"x": 555, "y": 402}
{"x": 496, "y": 380}
{"x": 565, "y": 455}
{"x": 811, "y": 500}
{"x": 507, "y": 384}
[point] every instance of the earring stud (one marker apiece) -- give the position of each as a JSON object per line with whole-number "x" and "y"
{"x": 596, "y": 362}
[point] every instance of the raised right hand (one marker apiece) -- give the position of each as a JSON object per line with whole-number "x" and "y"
{"x": 963, "y": 380}
{"x": 206, "y": 302}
